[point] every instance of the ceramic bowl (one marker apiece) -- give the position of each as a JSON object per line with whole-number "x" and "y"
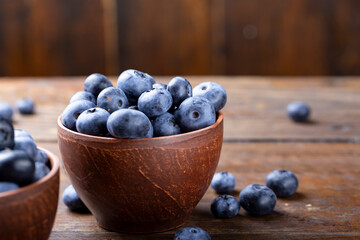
{"x": 29, "y": 212}
{"x": 141, "y": 185}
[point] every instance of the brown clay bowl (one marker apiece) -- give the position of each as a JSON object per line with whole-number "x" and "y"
{"x": 29, "y": 212}
{"x": 141, "y": 185}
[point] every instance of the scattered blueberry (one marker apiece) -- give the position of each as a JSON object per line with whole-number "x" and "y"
{"x": 41, "y": 157}
{"x": 283, "y": 182}
{"x": 73, "y": 111}
{"x": 16, "y": 166}
{"x": 212, "y": 91}
{"x": 83, "y": 95}
{"x": 41, "y": 170}
{"x": 225, "y": 206}
{"x": 298, "y": 111}
{"x": 8, "y": 186}
{"x": 257, "y": 199}
{"x": 27, "y": 145}
{"x": 6, "y": 111}
{"x": 25, "y": 106}
{"x": 128, "y": 123}
{"x": 180, "y": 89}
{"x": 195, "y": 113}
{"x": 159, "y": 85}
{"x": 72, "y": 200}
{"x": 192, "y": 233}
{"x": 93, "y": 122}
{"x": 155, "y": 102}
{"x": 95, "y": 83}
{"x": 112, "y": 99}
{"x": 223, "y": 182}
{"x": 6, "y": 134}
{"x": 134, "y": 83}
{"x": 165, "y": 125}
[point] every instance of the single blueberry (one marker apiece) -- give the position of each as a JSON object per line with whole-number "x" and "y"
{"x": 22, "y": 133}
{"x": 93, "y": 122}
{"x": 165, "y": 125}
{"x": 298, "y": 111}
{"x": 134, "y": 83}
{"x": 129, "y": 123}
{"x": 72, "y": 200}
{"x": 6, "y": 134}
{"x": 41, "y": 170}
{"x": 8, "y": 186}
{"x": 223, "y": 182}
{"x": 41, "y": 157}
{"x": 283, "y": 182}
{"x": 195, "y": 113}
{"x": 27, "y": 145}
{"x": 26, "y": 106}
{"x": 73, "y": 111}
{"x": 225, "y": 206}
{"x": 257, "y": 199}
{"x": 83, "y": 95}
{"x": 191, "y": 233}
{"x": 159, "y": 85}
{"x": 6, "y": 111}
{"x": 16, "y": 166}
{"x": 155, "y": 102}
{"x": 213, "y": 92}
{"x": 95, "y": 83}
{"x": 180, "y": 89}
{"x": 112, "y": 99}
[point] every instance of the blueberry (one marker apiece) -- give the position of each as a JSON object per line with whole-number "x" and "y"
{"x": 283, "y": 182}
{"x": 159, "y": 85}
{"x": 16, "y": 166}
{"x": 298, "y": 111}
{"x": 225, "y": 206}
{"x": 95, "y": 83}
{"x": 212, "y": 91}
{"x": 27, "y": 145}
{"x": 134, "y": 83}
{"x": 195, "y": 113}
{"x": 72, "y": 200}
{"x": 93, "y": 122}
{"x": 6, "y": 134}
{"x": 83, "y": 95}
{"x": 22, "y": 133}
{"x": 155, "y": 102}
{"x": 112, "y": 99}
{"x": 129, "y": 123}
{"x": 180, "y": 89}
{"x": 25, "y": 106}
{"x": 191, "y": 233}
{"x": 223, "y": 182}
{"x": 41, "y": 170}
{"x": 257, "y": 199}
{"x": 8, "y": 186}
{"x": 41, "y": 157}
{"x": 6, "y": 111}
{"x": 165, "y": 125}
{"x": 73, "y": 111}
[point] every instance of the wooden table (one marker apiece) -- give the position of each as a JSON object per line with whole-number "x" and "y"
{"x": 258, "y": 138}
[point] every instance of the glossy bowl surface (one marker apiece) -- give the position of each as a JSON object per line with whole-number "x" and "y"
{"x": 141, "y": 185}
{"x": 29, "y": 212}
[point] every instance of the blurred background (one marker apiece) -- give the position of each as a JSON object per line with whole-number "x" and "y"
{"x": 180, "y": 37}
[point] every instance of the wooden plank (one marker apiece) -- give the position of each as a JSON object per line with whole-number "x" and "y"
{"x": 325, "y": 206}
{"x": 256, "y": 106}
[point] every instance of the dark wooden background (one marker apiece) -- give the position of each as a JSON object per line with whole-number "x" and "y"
{"x": 162, "y": 37}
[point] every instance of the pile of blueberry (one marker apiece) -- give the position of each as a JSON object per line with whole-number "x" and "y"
{"x": 21, "y": 162}
{"x": 141, "y": 108}
{"x": 256, "y": 199}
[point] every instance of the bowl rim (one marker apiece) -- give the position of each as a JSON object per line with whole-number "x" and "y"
{"x": 218, "y": 121}
{"x": 55, "y": 167}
